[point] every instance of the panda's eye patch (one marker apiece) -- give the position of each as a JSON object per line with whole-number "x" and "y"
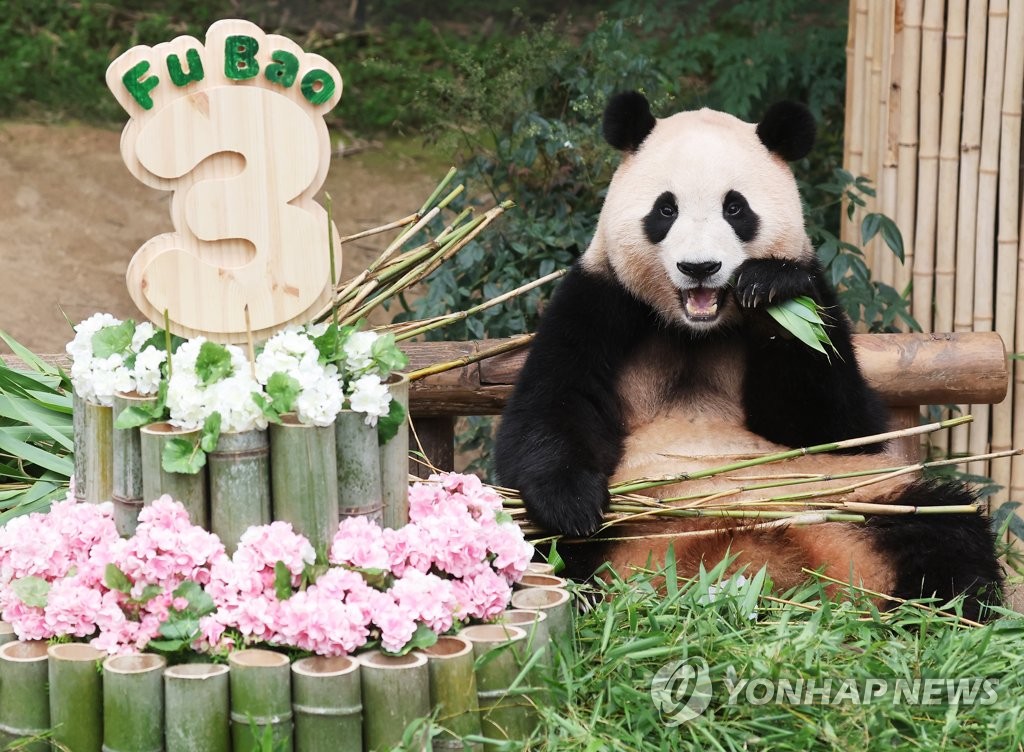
{"x": 737, "y": 212}
{"x": 660, "y": 218}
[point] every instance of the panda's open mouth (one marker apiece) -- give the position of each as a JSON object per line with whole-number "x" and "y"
{"x": 702, "y": 303}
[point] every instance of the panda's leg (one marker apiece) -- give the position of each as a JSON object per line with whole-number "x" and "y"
{"x": 792, "y": 394}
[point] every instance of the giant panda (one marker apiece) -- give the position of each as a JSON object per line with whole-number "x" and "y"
{"x": 656, "y": 356}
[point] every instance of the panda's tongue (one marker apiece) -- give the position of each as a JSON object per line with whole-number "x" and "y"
{"x": 701, "y": 303}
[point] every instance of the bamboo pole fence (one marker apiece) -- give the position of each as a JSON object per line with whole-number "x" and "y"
{"x": 933, "y": 119}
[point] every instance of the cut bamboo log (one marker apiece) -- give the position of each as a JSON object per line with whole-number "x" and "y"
{"x": 453, "y": 691}
{"x": 196, "y": 708}
{"x": 261, "y": 700}
{"x": 394, "y": 461}
{"x": 76, "y": 696}
{"x": 923, "y": 273}
{"x": 190, "y": 490}
{"x": 24, "y": 697}
{"x": 327, "y": 703}
{"x": 239, "y": 473}
{"x": 359, "y": 471}
{"x": 1008, "y": 236}
{"x": 540, "y": 567}
{"x": 396, "y": 693}
{"x": 557, "y": 604}
{"x": 93, "y": 427}
{"x": 304, "y": 480}
{"x": 906, "y": 170}
{"x": 127, "y": 465}
{"x": 988, "y": 181}
{"x": 539, "y": 581}
{"x": 133, "y": 703}
{"x": 967, "y": 203}
{"x": 506, "y": 714}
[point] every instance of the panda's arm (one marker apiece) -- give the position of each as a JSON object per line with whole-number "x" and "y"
{"x": 792, "y": 394}
{"x": 561, "y": 433}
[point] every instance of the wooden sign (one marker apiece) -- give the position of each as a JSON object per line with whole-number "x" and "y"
{"x": 234, "y": 127}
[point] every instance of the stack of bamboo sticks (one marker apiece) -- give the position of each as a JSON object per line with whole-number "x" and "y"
{"x": 934, "y": 91}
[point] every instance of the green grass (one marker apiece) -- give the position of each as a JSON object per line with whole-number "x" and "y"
{"x": 600, "y": 697}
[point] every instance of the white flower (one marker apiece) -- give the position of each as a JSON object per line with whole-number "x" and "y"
{"x": 190, "y": 402}
{"x": 371, "y": 396}
{"x": 320, "y": 403}
{"x": 147, "y": 370}
{"x": 293, "y": 353}
{"x": 359, "y": 351}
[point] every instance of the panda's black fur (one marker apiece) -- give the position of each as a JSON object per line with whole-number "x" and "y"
{"x": 629, "y": 345}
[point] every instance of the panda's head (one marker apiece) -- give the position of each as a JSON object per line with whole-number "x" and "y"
{"x": 695, "y": 195}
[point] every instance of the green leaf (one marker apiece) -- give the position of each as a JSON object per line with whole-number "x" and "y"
{"x": 149, "y": 593}
{"x": 388, "y": 425}
{"x": 199, "y": 601}
{"x": 182, "y": 456}
{"x": 283, "y": 391}
{"x": 180, "y": 628}
{"x": 387, "y": 356}
{"x": 869, "y": 227}
{"x": 328, "y": 344}
{"x": 113, "y": 339}
{"x": 213, "y": 363}
{"x": 502, "y": 517}
{"x": 31, "y": 590}
{"x": 796, "y": 326}
{"x": 115, "y": 579}
{"x": 27, "y": 356}
{"x": 63, "y": 466}
{"x": 893, "y": 238}
{"x": 134, "y": 416}
{"x": 211, "y": 432}
{"x": 282, "y": 581}
{"x": 423, "y": 637}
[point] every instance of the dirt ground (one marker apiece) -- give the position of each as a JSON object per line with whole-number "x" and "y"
{"x": 72, "y": 216}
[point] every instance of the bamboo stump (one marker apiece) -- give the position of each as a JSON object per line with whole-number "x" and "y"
{"x": 127, "y": 466}
{"x": 196, "y": 707}
{"x": 133, "y": 703}
{"x": 327, "y": 703}
{"x": 453, "y": 692}
{"x": 396, "y": 692}
{"x": 505, "y": 712}
{"x": 76, "y": 697}
{"x": 394, "y": 461}
{"x": 239, "y": 472}
{"x": 24, "y": 698}
{"x": 261, "y": 700}
{"x": 359, "y": 473}
{"x": 557, "y": 604}
{"x": 190, "y": 490}
{"x": 93, "y": 427}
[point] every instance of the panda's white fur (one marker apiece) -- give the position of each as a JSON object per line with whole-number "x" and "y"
{"x": 656, "y": 357}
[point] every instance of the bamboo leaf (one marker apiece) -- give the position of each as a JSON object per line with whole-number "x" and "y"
{"x": 29, "y": 453}
{"x": 796, "y": 326}
{"x": 27, "y": 356}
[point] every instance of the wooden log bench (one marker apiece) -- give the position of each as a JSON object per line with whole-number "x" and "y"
{"x": 909, "y": 370}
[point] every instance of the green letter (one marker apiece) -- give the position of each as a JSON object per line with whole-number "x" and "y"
{"x": 140, "y": 87}
{"x": 240, "y": 57}
{"x": 283, "y": 69}
{"x": 317, "y": 86}
{"x": 195, "y": 68}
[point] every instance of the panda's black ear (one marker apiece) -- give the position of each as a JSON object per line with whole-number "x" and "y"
{"x": 627, "y": 120}
{"x": 788, "y": 129}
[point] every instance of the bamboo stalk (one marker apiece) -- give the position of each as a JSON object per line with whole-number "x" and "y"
{"x": 967, "y": 204}
{"x": 383, "y": 228}
{"x": 512, "y": 344}
{"x": 133, "y": 702}
{"x": 396, "y": 692}
{"x": 556, "y": 605}
{"x": 416, "y": 328}
{"x": 24, "y": 698}
{"x": 906, "y": 171}
{"x": 505, "y": 713}
{"x": 988, "y": 171}
{"x": 949, "y": 162}
{"x": 327, "y": 703}
{"x": 883, "y": 264}
{"x": 76, "y": 696}
{"x": 923, "y": 272}
{"x": 239, "y": 474}
{"x": 196, "y": 708}
{"x": 93, "y": 427}
{"x": 190, "y": 490}
{"x": 394, "y": 461}
{"x": 856, "y": 45}
{"x": 261, "y": 700}
{"x": 453, "y": 697}
{"x": 126, "y": 490}
{"x": 643, "y": 485}
{"x": 1008, "y": 236}
{"x": 358, "y": 461}
{"x": 304, "y": 480}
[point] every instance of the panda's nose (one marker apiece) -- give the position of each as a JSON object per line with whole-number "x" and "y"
{"x": 700, "y": 270}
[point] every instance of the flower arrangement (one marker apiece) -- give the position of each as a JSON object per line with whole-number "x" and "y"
{"x": 171, "y": 586}
{"x": 109, "y": 355}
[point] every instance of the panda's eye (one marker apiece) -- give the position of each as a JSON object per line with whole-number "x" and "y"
{"x": 733, "y": 209}
{"x": 667, "y": 210}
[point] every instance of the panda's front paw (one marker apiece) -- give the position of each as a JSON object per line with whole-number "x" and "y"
{"x": 571, "y": 505}
{"x": 765, "y": 282}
